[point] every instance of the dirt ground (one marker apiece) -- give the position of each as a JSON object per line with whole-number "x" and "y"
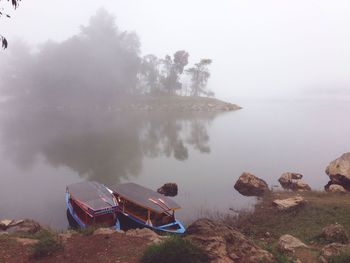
{"x": 114, "y": 248}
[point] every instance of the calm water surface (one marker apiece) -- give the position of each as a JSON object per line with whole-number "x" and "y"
{"x": 44, "y": 150}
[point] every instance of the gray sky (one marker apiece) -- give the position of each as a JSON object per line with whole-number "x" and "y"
{"x": 260, "y": 48}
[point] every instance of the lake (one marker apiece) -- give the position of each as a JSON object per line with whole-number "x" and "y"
{"x": 43, "y": 150}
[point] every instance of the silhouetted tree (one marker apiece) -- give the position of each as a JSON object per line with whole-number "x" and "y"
{"x": 199, "y": 77}
{"x": 172, "y": 69}
{"x": 150, "y": 74}
{"x": 3, "y": 40}
{"x": 162, "y": 75}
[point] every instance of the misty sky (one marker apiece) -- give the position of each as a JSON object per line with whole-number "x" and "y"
{"x": 260, "y": 48}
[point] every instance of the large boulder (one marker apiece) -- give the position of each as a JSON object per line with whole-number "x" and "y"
{"x": 286, "y": 179}
{"x": 301, "y": 186}
{"x": 5, "y": 223}
{"x": 168, "y": 189}
{"x": 292, "y": 181}
{"x": 25, "y": 226}
{"x": 288, "y": 243}
{"x": 339, "y": 171}
{"x": 250, "y": 185}
{"x": 331, "y": 250}
{"x": 224, "y": 244}
{"x": 335, "y": 233}
{"x": 289, "y": 203}
{"x": 335, "y": 188}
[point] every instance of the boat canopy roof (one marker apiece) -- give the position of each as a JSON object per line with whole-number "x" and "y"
{"x": 144, "y": 197}
{"x": 92, "y": 194}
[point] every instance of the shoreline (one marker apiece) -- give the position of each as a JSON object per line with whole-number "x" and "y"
{"x": 260, "y": 229}
{"x": 142, "y": 103}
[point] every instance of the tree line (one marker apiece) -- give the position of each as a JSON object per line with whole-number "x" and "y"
{"x": 100, "y": 65}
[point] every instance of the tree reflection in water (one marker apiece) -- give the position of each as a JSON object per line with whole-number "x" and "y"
{"x": 101, "y": 145}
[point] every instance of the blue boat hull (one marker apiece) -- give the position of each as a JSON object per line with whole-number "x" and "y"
{"x": 138, "y": 223}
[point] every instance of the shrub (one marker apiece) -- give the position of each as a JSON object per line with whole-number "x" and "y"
{"x": 174, "y": 250}
{"x": 47, "y": 245}
{"x": 344, "y": 257}
{"x": 280, "y": 257}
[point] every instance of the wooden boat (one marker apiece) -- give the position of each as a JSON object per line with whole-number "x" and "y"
{"x": 91, "y": 203}
{"x": 147, "y": 208}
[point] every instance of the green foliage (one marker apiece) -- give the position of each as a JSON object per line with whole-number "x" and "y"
{"x": 47, "y": 245}
{"x": 344, "y": 257}
{"x": 174, "y": 250}
{"x": 305, "y": 223}
{"x": 280, "y": 258}
{"x": 37, "y": 235}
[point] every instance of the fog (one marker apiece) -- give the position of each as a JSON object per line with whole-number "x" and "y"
{"x": 86, "y": 90}
{"x": 78, "y": 103}
{"x": 260, "y": 49}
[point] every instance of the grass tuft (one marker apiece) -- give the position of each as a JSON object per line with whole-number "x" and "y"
{"x": 47, "y": 245}
{"x": 344, "y": 257}
{"x": 174, "y": 250}
{"x": 280, "y": 257}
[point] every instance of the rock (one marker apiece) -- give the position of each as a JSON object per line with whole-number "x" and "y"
{"x": 104, "y": 231}
{"x": 26, "y": 226}
{"x": 289, "y": 203}
{"x": 286, "y": 179}
{"x": 250, "y": 185}
{"x": 26, "y": 241}
{"x": 332, "y": 250}
{"x": 336, "y": 188}
{"x": 339, "y": 171}
{"x": 223, "y": 243}
{"x": 16, "y": 222}
{"x": 292, "y": 181}
{"x": 326, "y": 187}
{"x": 300, "y": 186}
{"x": 335, "y": 233}
{"x": 5, "y": 223}
{"x": 168, "y": 189}
{"x": 145, "y": 233}
{"x": 288, "y": 243}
